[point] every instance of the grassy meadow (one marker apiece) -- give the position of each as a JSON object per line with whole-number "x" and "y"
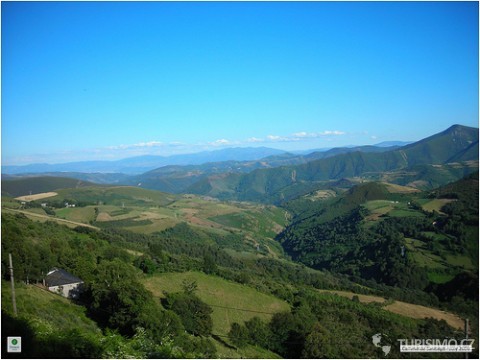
{"x": 231, "y": 302}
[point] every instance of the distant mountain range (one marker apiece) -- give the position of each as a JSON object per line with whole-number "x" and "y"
{"x": 141, "y": 164}
{"x": 270, "y": 175}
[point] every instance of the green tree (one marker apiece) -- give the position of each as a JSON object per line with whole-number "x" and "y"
{"x": 196, "y": 347}
{"x": 238, "y": 335}
{"x": 117, "y": 298}
{"x": 317, "y": 344}
{"x": 145, "y": 264}
{"x": 189, "y": 287}
{"x": 160, "y": 324}
{"x": 258, "y": 332}
{"x": 281, "y": 325}
{"x": 194, "y": 313}
{"x": 209, "y": 265}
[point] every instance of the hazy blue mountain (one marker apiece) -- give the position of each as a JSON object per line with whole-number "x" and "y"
{"x": 141, "y": 164}
{"x": 393, "y": 143}
{"x": 96, "y": 178}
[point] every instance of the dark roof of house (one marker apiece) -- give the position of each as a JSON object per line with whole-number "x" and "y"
{"x": 58, "y": 277}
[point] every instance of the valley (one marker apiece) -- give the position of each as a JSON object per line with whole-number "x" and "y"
{"x": 252, "y": 263}
{"x": 239, "y": 180}
{"x": 249, "y": 226}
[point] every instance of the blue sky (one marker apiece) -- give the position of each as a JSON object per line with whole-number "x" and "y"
{"x": 108, "y": 80}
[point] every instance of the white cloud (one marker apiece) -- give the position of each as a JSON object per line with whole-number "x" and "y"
{"x": 254, "y": 140}
{"x": 303, "y": 135}
{"x": 295, "y": 137}
{"x": 276, "y": 138}
{"x": 220, "y": 142}
{"x": 334, "y": 132}
{"x": 300, "y": 134}
{"x": 273, "y": 137}
{"x": 148, "y": 144}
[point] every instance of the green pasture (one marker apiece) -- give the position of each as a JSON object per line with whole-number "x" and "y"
{"x": 231, "y": 302}
{"x": 436, "y": 204}
{"x": 78, "y": 214}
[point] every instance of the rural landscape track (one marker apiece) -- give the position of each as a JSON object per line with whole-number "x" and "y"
{"x": 53, "y": 218}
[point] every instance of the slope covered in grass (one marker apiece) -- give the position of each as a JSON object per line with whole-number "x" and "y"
{"x": 231, "y": 302}
{"x": 35, "y": 185}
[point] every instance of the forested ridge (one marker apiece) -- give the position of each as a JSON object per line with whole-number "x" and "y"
{"x": 404, "y": 246}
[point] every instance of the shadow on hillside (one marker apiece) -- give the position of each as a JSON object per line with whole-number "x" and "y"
{"x": 223, "y": 342}
{"x": 57, "y": 345}
{"x": 17, "y": 327}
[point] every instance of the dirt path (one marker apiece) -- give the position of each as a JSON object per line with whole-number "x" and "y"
{"x": 406, "y": 309}
{"x": 46, "y": 217}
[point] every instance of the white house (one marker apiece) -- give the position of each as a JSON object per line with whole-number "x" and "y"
{"x": 63, "y": 283}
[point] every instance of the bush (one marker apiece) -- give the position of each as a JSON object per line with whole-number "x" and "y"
{"x": 238, "y": 335}
{"x": 194, "y": 313}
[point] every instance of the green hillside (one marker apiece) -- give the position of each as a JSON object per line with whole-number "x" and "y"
{"x": 231, "y": 302}
{"x": 47, "y": 311}
{"x": 179, "y": 179}
{"x": 457, "y": 143}
{"x": 424, "y": 238}
{"x": 36, "y": 185}
{"x": 240, "y": 227}
{"x": 419, "y": 161}
{"x": 428, "y": 177}
{"x": 115, "y": 195}
{"x": 164, "y": 283}
{"x": 50, "y": 326}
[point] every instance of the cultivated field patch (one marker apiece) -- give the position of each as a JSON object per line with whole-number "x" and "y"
{"x": 78, "y": 214}
{"x": 413, "y": 311}
{"x": 399, "y": 189}
{"x": 321, "y": 195}
{"x": 104, "y": 216}
{"x": 436, "y": 204}
{"x": 423, "y": 312}
{"x": 34, "y": 197}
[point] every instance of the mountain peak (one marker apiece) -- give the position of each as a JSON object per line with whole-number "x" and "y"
{"x": 458, "y": 127}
